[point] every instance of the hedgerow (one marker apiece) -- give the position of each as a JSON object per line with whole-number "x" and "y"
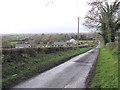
{"x": 18, "y": 54}
{"x": 24, "y": 62}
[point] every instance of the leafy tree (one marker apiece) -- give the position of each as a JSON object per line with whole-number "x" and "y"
{"x": 102, "y": 17}
{"x": 112, "y": 21}
{"x": 6, "y": 44}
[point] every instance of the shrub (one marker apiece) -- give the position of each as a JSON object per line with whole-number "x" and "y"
{"x": 18, "y": 54}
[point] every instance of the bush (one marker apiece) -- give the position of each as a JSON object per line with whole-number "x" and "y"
{"x": 16, "y": 55}
{"x": 18, "y": 64}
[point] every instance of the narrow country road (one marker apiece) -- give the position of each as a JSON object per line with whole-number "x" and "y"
{"x": 71, "y": 74}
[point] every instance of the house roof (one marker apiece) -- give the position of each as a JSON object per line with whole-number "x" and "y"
{"x": 60, "y": 43}
{"x": 72, "y": 40}
{"x": 22, "y": 45}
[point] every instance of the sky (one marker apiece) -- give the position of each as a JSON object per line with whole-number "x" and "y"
{"x": 42, "y": 16}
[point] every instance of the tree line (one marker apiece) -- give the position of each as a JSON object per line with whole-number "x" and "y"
{"x": 104, "y": 17}
{"x": 9, "y": 41}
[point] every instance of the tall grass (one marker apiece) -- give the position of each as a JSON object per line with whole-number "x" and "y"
{"x": 106, "y": 75}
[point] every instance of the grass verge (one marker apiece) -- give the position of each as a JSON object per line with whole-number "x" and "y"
{"x": 106, "y": 75}
{"x": 29, "y": 67}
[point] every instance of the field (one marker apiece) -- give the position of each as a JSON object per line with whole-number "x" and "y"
{"x": 106, "y": 75}
{"x": 15, "y": 71}
{"x": 85, "y": 40}
{"x": 90, "y": 42}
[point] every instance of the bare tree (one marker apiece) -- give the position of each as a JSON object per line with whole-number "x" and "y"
{"x": 102, "y": 17}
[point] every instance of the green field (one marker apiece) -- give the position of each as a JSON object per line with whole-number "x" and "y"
{"x": 14, "y": 72}
{"x": 106, "y": 75}
{"x": 90, "y": 42}
{"x": 86, "y": 40}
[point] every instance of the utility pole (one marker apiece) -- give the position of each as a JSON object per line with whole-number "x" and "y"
{"x": 119, "y": 18}
{"x": 78, "y": 33}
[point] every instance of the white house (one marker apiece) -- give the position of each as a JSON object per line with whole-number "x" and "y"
{"x": 72, "y": 41}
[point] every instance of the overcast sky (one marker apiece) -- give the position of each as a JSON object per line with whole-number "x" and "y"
{"x": 42, "y": 16}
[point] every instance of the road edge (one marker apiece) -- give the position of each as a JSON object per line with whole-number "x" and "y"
{"x": 91, "y": 73}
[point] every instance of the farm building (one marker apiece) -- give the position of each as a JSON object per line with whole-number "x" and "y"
{"x": 60, "y": 44}
{"x": 22, "y": 46}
